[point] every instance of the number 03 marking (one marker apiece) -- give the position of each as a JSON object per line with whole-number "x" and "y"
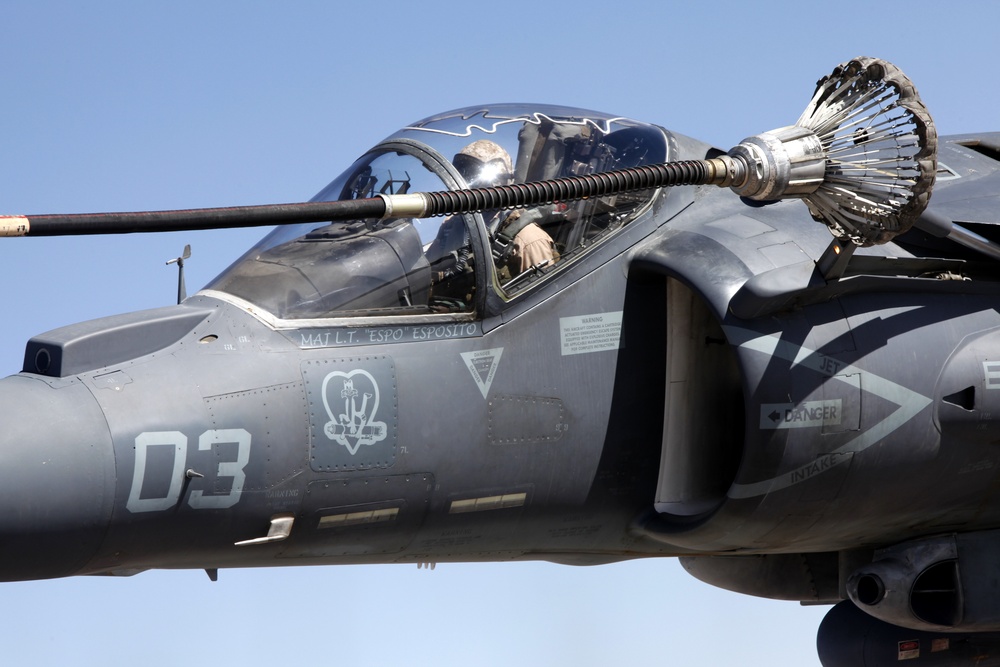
{"x": 234, "y": 469}
{"x": 175, "y": 443}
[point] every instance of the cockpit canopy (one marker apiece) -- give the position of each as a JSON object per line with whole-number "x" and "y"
{"x": 442, "y": 265}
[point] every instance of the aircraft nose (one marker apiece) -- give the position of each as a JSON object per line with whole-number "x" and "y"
{"x": 56, "y": 477}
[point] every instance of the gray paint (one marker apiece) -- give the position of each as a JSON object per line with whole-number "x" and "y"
{"x": 534, "y": 429}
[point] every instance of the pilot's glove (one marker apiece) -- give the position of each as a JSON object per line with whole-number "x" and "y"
{"x": 453, "y": 264}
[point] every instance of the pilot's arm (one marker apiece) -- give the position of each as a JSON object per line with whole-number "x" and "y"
{"x": 532, "y": 246}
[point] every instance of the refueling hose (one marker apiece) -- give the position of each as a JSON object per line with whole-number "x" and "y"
{"x": 538, "y": 193}
{"x": 421, "y": 205}
{"x": 866, "y": 186}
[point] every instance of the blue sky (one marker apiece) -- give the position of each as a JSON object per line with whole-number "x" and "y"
{"x": 111, "y": 106}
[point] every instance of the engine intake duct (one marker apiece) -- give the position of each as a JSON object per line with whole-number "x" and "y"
{"x": 700, "y": 455}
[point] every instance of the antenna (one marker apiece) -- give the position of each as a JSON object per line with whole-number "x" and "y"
{"x": 181, "y": 289}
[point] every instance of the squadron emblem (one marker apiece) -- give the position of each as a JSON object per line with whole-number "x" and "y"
{"x": 352, "y": 401}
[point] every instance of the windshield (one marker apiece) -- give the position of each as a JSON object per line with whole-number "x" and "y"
{"x": 440, "y": 265}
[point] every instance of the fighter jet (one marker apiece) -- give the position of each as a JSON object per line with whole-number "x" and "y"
{"x": 530, "y": 332}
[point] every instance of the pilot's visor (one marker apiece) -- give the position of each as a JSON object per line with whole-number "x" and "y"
{"x": 480, "y": 174}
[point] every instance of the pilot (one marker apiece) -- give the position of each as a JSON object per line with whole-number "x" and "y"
{"x": 518, "y": 243}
